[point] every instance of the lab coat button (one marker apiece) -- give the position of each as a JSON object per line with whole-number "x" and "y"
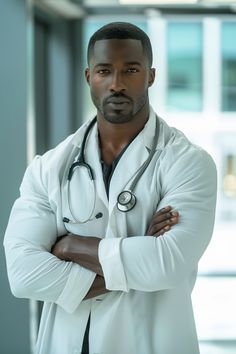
{"x": 76, "y": 351}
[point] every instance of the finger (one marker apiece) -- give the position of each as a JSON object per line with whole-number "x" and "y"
{"x": 158, "y": 218}
{"x": 163, "y": 215}
{"x": 157, "y": 227}
{"x": 162, "y": 231}
{"x": 166, "y": 228}
{"x": 164, "y": 210}
{"x": 166, "y": 219}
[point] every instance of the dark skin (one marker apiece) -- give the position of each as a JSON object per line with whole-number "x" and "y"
{"x": 84, "y": 249}
{"x": 119, "y": 77}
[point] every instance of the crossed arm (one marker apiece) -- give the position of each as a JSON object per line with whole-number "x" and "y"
{"x": 84, "y": 250}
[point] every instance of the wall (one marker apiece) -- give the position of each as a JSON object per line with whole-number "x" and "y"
{"x": 14, "y": 323}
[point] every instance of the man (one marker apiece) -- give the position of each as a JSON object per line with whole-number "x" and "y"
{"x": 86, "y": 236}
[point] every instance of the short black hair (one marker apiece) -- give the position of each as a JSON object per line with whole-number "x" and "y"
{"x": 121, "y": 30}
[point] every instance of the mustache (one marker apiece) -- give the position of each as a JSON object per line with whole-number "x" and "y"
{"x": 117, "y": 95}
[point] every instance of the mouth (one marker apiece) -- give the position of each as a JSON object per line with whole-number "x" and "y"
{"x": 118, "y": 101}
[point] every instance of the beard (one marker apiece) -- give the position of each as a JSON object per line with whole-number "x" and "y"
{"x": 120, "y": 114}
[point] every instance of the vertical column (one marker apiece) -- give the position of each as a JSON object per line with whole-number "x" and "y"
{"x": 14, "y": 319}
{"x": 212, "y": 66}
{"x": 157, "y": 32}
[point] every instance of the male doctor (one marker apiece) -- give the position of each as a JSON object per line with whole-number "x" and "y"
{"x": 89, "y": 234}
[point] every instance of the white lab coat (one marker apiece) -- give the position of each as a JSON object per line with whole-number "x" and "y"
{"x": 148, "y": 310}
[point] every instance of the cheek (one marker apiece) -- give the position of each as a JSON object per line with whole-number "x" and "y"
{"x": 141, "y": 84}
{"x": 97, "y": 87}
{"x": 140, "y": 89}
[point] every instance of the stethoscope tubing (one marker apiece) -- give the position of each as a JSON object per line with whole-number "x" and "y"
{"x": 81, "y": 158}
{"x": 127, "y": 194}
{"x": 147, "y": 162}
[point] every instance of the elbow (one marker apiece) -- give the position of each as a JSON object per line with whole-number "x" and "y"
{"x": 17, "y": 290}
{"x": 18, "y": 287}
{"x": 19, "y": 280}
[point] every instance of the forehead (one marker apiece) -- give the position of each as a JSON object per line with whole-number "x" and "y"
{"x": 111, "y": 50}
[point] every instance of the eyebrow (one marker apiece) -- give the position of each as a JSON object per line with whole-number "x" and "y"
{"x": 127, "y": 63}
{"x": 133, "y": 63}
{"x": 102, "y": 64}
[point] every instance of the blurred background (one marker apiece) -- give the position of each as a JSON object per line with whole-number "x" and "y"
{"x": 44, "y": 97}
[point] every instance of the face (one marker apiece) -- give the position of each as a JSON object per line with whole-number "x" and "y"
{"x": 119, "y": 78}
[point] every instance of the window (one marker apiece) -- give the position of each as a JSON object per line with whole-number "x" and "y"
{"x": 229, "y": 180}
{"x": 228, "y": 48}
{"x": 184, "y": 51}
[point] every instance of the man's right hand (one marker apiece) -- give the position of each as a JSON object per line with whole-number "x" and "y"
{"x": 162, "y": 221}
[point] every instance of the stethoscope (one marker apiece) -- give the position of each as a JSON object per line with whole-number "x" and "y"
{"x": 126, "y": 200}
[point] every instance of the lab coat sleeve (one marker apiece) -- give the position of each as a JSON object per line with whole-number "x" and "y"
{"x": 33, "y": 271}
{"x": 146, "y": 263}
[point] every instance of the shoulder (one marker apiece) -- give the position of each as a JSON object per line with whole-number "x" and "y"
{"x": 177, "y": 148}
{"x": 49, "y": 168}
{"x": 58, "y": 156}
{"x": 182, "y": 160}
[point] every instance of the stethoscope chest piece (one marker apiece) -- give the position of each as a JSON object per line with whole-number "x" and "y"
{"x": 126, "y": 201}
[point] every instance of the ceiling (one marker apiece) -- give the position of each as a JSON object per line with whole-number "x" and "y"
{"x": 75, "y": 9}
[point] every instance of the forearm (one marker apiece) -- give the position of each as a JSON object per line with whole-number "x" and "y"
{"x": 84, "y": 250}
{"x": 79, "y": 249}
{"x": 156, "y": 263}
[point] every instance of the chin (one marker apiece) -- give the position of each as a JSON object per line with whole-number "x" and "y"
{"x": 118, "y": 117}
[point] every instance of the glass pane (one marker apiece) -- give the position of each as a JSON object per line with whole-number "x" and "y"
{"x": 228, "y": 66}
{"x": 184, "y": 45}
{"x": 229, "y": 178}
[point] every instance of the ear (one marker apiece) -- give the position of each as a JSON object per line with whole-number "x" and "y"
{"x": 87, "y": 75}
{"x": 152, "y": 75}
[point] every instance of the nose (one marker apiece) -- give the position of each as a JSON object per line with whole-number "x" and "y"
{"x": 117, "y": 83}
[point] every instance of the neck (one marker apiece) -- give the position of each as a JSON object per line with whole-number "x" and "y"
{"x": 114, "y": 137}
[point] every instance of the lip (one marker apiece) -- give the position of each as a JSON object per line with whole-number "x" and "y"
{"x": 118, "y": 105}
{"x": 117, "y": 100}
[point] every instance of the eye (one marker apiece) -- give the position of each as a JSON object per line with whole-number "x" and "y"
{"x": 132, "y": 70}
{"x": 103, "y": 71}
